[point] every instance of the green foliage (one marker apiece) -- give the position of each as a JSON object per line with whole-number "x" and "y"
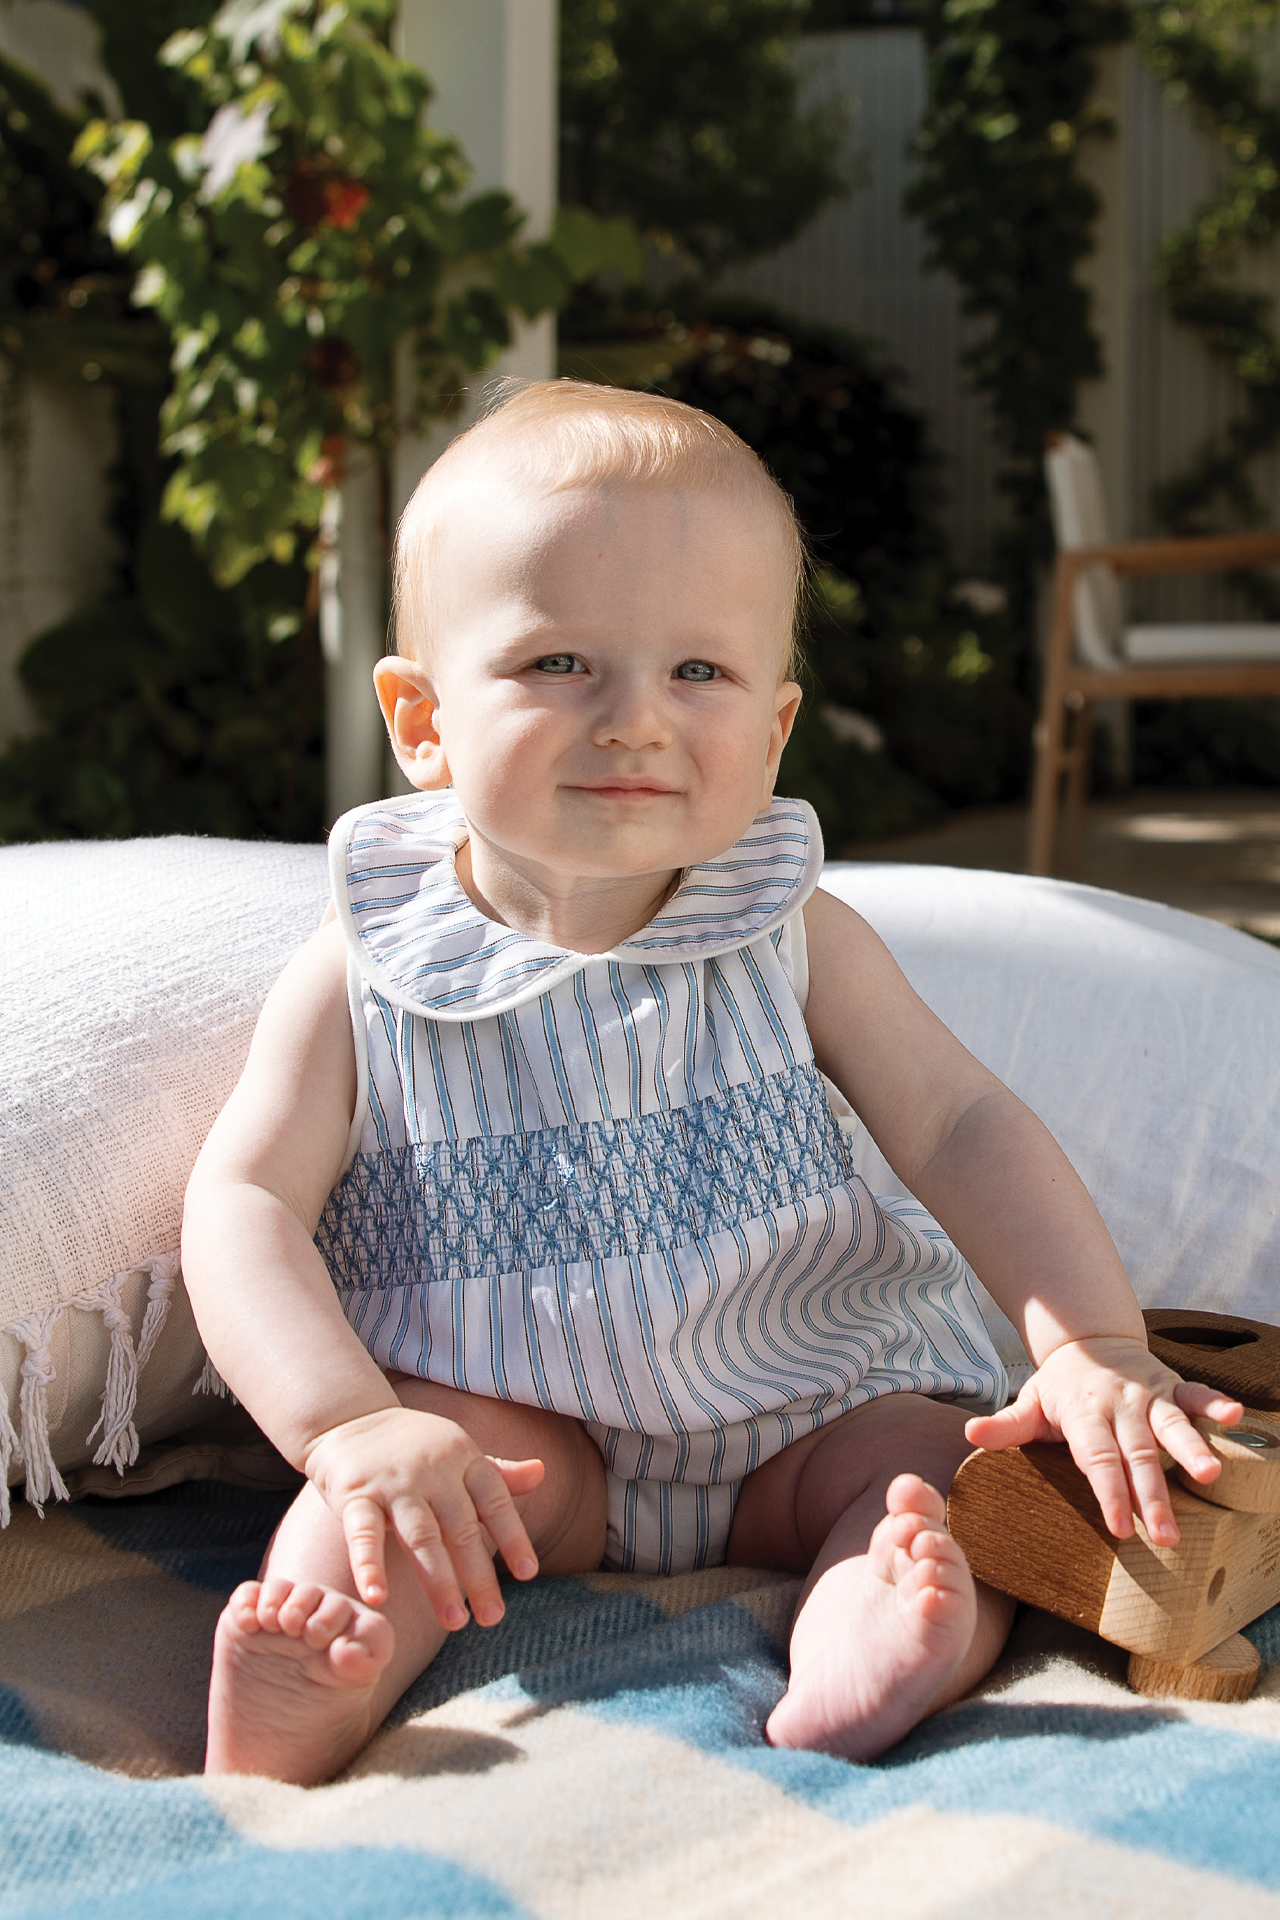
{"x": 1010, "y": 218}
{"x": 170, "y": 709}
{"x": 315, "y": 224}
{"x": 1217, "y": 58}
{"x": 1207, "y": 743}
{"x": 684, "y": 115}
{"x": 262, "y": 322}
{"x": 933, "y": 673}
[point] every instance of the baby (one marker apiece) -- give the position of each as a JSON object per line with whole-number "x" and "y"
{"x": 530, "y": 1228}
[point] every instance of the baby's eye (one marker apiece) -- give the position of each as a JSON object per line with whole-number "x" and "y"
{"x": 558, "y": 663}
{"x": 696, "y": 670}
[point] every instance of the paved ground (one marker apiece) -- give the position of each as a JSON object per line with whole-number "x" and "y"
{"x": 1215, "y": 853}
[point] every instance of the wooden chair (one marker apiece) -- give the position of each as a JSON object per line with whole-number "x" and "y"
{"x": 1094, "y": 656}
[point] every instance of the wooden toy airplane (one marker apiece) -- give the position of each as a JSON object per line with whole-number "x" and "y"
{"x": 1031, "y": 1527}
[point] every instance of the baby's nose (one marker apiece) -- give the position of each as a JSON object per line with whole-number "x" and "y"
{"x": 633, "y": 718}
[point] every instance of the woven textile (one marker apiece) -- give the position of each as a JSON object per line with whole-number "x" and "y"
{"x": 131, "y": 975}
{"x": 598, "y": 1753}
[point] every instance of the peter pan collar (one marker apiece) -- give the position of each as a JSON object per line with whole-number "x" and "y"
{"x": 423, "y": 945}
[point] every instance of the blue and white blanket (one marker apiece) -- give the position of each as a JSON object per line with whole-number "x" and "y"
{"x": 600, "y": 1753}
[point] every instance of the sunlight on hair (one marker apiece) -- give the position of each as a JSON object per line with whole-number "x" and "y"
{"x": 553, "y": 435}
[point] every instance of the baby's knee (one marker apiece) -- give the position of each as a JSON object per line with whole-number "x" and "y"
{"x": 567, "y": 1515}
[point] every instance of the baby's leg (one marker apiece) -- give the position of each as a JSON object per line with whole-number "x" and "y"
{"x": 304, "y": 1673}
{"x": 891, "y": 1624}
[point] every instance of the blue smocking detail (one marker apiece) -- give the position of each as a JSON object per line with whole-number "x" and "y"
{"x": 454, "y": 1209}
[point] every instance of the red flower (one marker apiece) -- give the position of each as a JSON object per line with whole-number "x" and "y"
{"x": 317, "y": 198}
{"x": 345, "y": 200}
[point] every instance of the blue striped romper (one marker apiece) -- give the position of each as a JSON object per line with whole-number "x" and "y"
{"x": 613, "y": 1185}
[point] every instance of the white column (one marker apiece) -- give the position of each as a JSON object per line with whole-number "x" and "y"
{"x": 492, "y": 65}
{"x": 353, "y": 635}
{"x": 1106, "y": 411}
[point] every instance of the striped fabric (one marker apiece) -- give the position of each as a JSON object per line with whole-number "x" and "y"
{"x": 612, "y": 1185}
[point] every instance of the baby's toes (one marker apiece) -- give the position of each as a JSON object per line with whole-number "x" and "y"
{"x": 936, "y": 1547}
{"x": 909, "y": 1494}
{"x": 336, "y": 1614}
{"x": 242, "y": 1608}
{"x": 273, "y": 1594}
{"x": 297, "y": 1610}
{"x": 363, "y": 1646}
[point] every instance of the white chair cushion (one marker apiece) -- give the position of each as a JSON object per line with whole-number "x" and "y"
{"x": 1078, "y": 508}
{"x": 1146, "y": 1039}
{"x": 131, "y": 975}
{"x": 1187, "y": 644}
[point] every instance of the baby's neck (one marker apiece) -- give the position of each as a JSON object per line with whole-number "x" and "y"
{"x": 583, "y": 915}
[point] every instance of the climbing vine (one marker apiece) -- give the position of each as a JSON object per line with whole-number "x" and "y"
{"x": 1213, "y": 58}
{"x": 1009, "y": 216}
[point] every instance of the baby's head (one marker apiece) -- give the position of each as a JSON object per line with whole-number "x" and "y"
{"x": 596, "y": 596}
{"x": 550, "y": 437}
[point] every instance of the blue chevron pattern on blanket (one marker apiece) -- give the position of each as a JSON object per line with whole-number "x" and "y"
{"x": 600, "y": 1751}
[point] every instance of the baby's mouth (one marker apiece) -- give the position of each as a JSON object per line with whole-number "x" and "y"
{"x": 628, "y": 790}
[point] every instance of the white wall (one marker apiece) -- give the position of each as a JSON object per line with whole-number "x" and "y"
{"x": 860, "y": 265}
{"x": 493, "y": 67}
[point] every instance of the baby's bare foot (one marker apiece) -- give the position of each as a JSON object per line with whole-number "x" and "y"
{"x": 294, "y": 1670}
{"x": 880, "y": 1638}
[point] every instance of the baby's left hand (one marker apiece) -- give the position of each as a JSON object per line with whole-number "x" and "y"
{"x": 1115, "y": 1405}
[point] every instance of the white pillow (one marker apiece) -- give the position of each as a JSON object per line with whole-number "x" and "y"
{"x": 1147, "y": 1040}
{"x": 131, "y": 975}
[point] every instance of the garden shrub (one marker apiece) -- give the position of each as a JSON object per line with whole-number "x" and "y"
{"x": 888, "y": 635}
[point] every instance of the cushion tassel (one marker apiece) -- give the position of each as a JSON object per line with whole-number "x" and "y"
{"x": 119, "y": 1445}
{"x": 164, "y": 1270}
{"x": 10, "y": 1452}
{"x": 211, "y": 1381}
{"x": 44, "y": 1482}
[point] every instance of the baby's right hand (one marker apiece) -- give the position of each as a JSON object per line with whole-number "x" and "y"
{"x": 428, "y": 1480}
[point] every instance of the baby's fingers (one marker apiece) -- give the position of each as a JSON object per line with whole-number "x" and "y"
{"x": 1096, "y": 1451}
{"x": 1172, "y": 1425}
{"x": 419, "y": 1533}
{"x": 1139, "y": 1438}
{"x": 1206, "y": 1403}
{"x": 489, "y": 1482}
{"x": 1014, "y": 1426}
{"x": 364, "y": 1527}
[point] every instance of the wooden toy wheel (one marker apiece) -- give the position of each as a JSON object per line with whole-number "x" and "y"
{"x": 1227, "y": 1672}
{"x": 1250, "y": 1456}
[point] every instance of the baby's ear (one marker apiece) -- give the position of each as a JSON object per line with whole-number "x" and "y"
{"x": 788, "y": 706}
{"x": 408, "y": 703}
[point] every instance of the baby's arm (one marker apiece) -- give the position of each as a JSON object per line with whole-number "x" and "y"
{"x": 269, "y": 1315}
{"x": 1007, "y": 1195}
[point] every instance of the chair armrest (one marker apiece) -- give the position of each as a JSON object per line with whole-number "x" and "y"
{"x": 1215, "y": 553}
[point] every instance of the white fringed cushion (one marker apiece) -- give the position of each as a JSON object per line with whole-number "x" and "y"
{"x": 131, "y": 975}
{"x": 1147, "y": 1040}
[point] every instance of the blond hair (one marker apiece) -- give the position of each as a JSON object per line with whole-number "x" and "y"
{"x": 551, "y": 435}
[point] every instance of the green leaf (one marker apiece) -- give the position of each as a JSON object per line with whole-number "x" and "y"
{"x": 536, "y": 282}
{"x": 589, "y": 245}
{"x": 486, "y": 222}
